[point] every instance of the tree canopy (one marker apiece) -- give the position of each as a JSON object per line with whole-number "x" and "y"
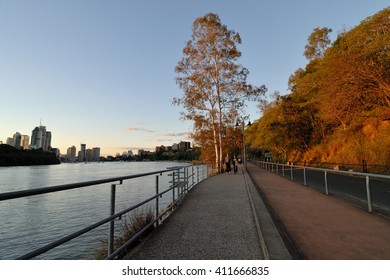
{"x": 339, "y": 106}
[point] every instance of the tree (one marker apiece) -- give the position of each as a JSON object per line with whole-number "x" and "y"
{"x": 318, "y": 42}
{"x": 339, "y": 105}
{"x": 214, "y": 84}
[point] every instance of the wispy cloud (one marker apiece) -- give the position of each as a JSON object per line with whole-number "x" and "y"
{"x": 138, "y": 129}
{"x": 179, "y": 134}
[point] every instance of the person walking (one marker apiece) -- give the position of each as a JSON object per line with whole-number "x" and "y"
{"x": 227, "y": 162}
{"x": 235, "y": 164}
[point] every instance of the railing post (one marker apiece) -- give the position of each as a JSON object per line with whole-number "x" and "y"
{"x": 112, "y": 222}
{"x": 304, "y": 176}
{"x": 292, "y": 177}
{"x": 193, "y": 178}
{"x": 173, "y": 189}
{"x": 283, "y": 170}
{"x": 368, "y": 194}
{"x": 326, "y": 183}
{"x": 157, "y": 201}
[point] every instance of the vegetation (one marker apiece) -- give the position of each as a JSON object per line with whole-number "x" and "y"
{"x": 214, "y": 84}
{"x": 129, "y": 227}
{"x": 339, "y": 106}
{"x": 10, "y": 156}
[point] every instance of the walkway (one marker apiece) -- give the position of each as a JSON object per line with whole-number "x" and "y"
{"x": 216, "y": 221}
{"x": 320, "y": 226}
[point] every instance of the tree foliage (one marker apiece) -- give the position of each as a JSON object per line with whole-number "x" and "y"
{"x": 213, "y": 82}
{"x": 339, "y": 105}
{"x": 10, "y": 156}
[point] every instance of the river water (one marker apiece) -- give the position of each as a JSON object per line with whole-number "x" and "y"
{"x": 31, "y": 222}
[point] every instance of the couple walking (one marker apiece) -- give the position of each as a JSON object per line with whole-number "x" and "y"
{"x": 228, "y": 166}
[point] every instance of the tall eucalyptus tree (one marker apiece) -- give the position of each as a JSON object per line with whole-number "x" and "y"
{"x": 214, "y": 84}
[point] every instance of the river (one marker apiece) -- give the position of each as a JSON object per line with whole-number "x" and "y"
{"x": 31, "y": 222}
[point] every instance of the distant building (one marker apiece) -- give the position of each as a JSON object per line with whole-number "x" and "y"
{"x": 95, "y": 154}
{"x": 10, "y": 141}
{"x": 36, "y": 138}
{"x": 88, "y": 155}
{"x": 40, "y": 138}
{"x": 47, "y": 144}
{"x": 160, "y": 149}
{"x": 184, "y": 146}
{"x": 18, "y": 140}
{"x": 25, "y": 141}
{"x": 71, "y": 154}
{"x": 82, "y": 153}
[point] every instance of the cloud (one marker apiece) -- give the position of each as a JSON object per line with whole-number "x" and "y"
{"x": 165, "y": 140}
{"x": 180, "y": 134}
{"x": 138, "y": 129}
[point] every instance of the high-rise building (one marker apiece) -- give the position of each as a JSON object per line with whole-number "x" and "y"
{"x": 82, "y": 153}
{"x": 71, "y": 154}
{"x": 18, "y": 140}
{"x": 36, "y": 138}
{"x": 88, "y": 155}
{"x": 25, "y": 141}
{"x": 47, "y": 145}
{"x": 40, "y": 138}
{"x": 95, "y": 154}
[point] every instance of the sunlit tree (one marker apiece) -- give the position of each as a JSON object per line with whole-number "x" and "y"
{"x": 214, "y": 84}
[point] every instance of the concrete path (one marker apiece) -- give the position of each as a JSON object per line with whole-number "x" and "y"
{"x": 222, "y": 218}
{"x": 321, "y": 227}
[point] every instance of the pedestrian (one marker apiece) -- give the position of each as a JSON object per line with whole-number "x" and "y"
{"x": 235, "y": 164}
{"x": 227, "y": 162}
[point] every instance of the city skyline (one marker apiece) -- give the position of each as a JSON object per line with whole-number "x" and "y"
{"x": 102, "y": 72}
{"x": 25, "y": 141}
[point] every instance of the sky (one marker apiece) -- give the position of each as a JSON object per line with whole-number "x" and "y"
{"x": 101, "y": 72}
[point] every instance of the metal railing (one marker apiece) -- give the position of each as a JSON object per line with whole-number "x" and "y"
{"x": 371, "y": 189}
{"x": 183, "y": 179}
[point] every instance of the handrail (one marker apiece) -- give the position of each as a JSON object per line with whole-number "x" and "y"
{"x": 24, "y": 193}
{"x": 180, "y": 181}
{"x": 270, "y": 165}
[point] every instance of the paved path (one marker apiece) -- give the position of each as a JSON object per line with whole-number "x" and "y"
{"x": 221, "y": 218}
{"x": 321, "y": 226}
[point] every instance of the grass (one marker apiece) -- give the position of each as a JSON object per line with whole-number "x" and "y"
{"x": 129, "y": 226}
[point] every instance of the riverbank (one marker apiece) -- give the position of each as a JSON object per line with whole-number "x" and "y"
{"x": 10, "y": 156}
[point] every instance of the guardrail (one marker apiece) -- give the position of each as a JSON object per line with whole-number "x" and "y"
{"x": 183, "y": 179}
{"x": 371, "y": 189}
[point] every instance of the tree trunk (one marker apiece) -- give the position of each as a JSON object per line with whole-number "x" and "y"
{"x": 216, "y": 146}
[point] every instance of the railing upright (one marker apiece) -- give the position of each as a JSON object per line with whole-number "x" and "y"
{"x": 326, "y": 183}
{"x": 368, "y": 190}
{"x": 157, "y": 199}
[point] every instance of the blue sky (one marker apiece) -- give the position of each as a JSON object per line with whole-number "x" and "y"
{"x": 102, "y": 72}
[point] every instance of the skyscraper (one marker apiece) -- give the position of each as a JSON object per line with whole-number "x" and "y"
{"x": 95, "y": 154}
{"x": 71, "y": 154}
{"x": 83, "y": 152}
{"x": 18, "y": 140}
{"x": 25, "y": 141}
{"x": 40, "y": 138}
{"x": 36, "y": 138}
